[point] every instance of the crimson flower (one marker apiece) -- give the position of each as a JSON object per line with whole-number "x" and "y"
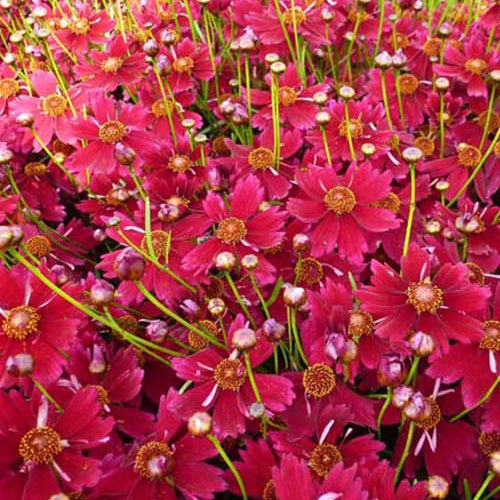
{"x": 113, "y": 67}
{"x": 34, "y": 321}
{"x": 438, "y": 304}
{"x": 108, "y": 126}
{"x": 167, "y": 461}
{"x": 342, "y": 209}
{"x": 471, "y": 66}
{"x": 241, "y": 227}
{"x": 222, "y": 383}
{"x": 41, "y": 449}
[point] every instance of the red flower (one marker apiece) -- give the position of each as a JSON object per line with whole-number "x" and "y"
{"x": 110, "y": 124}
{"x": 241, "y": 228}
{"x": 366, "y": 122}
{"x": 471, "y": 66}
{"x": 41, "y": 449}
{"x": 34, "y": 321}
{"x": 88, "y": 26}
{"x": 112, "y": 68}
{"x": 296, "y": 105}
{"x": 437, "y": 304}
{"x": 342, "y": 209}
{"x": 50, "y": 110}
{"x": 222, "y": 383}
{"x": 169, "y": 460}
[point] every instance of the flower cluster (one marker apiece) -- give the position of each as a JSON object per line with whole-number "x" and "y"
{"x": 248, "y": 249}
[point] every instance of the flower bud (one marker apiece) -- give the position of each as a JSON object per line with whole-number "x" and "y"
{"x": 225, "y": 261}
{"x": 256, "y": 410}
{"x": 169, "y": 212}
{"x": 320, "y": 98}
{"x": 368, "y": 149}
{"x": 350, "y": 352}
{"x": 327, "y": 15}
{"x": 301, "y": 243}
{"x": 336, "y": 346}
{"x": 346, "y": 92}
{"x": 422, "y": 344}
{"x": 59, "y": 496}
{"x": 151, "y": 48}
{"x": 123, "y": 154}
{"x": 227, "y": 108}
{"x": 442, "y": 186}
{"x": 495, "y": 462}
{"x": 271, "y": 58}
{"x": 19, "y": 365}
{"x": 468, "y": 223}
{"x": 250, "y": 262}
{"x": 433, "y": 227}
{"x": 97, "y": 365}
{"x": 383, "y": 60}
{"x": 294, "y": 296}
{"x": 244, "y": 339}
{"x": 163, "y": 65}
{"x": 437, "y": 487}
{"x": 391, "y": 370}
{"x": 200, "y": 424}
{"x": 101, "y": 293}
{"x": 417, "y": 408}
{"x": 5, "y": 155}
{"x": 246, "y": 44}
{"x": 442, "y": 83}
{"x": 495, "y": 75}
{"x": 278, "y": 67}
{"x": 401, "y": 396}
{"x": 63, "y": 274}
{"x": 216, "y": 306}
{"x": 323, "y": 118}
{"x": 399, "y": 60}
{"x": 412, "y": 154}
{"x": 273, "y": 331}
{"x": 25, "y": 119}
{"x": 156, "y": 331}
{"x": 10, "y": 236}
{"x": 129, "y": 265}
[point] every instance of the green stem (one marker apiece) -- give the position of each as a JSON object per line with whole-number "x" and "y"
{"x": 175, "y": 316}
{"x": 489, "y": 392}
{"x": 406, "y": 451}
{"x": 251, "y": 378}
{"x": 385, "y": 99}
{"x": 413, "y": 370}
{"x": 230, "y": 464}
{"x": 348, "y": 130}
{"x": 296, "y": 337}
{"x": 325, "y": 144}
{"x": 237, "y": 295}
{"x": 441, "y": 124}
{"x": 488, "y": 116}
{"x": 411, "y": 212}
{"x": 382, "y": 411}
{"x": 476, "y": 170}
{"x": 259, "y": 293}
{"x": 485, "y": 484}
{"x": 381, "y": 8}
{"x": 48, "y": 397}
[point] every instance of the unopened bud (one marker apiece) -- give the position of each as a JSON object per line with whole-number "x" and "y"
{"x": 422, "y": 344}
{"x": 383, "y": 60}
{"x": 123, "y": 154}
{"x": 250, "y": 262}
{"x": 320, "y": 98}
{"x": 102, "y": 293}
{"x": 468, "y": 223}
{"x": 244, "y": 339}
{"x": 129, "y": 265}
{"x": 301, "y": 243}
{"x": 442, "y": 83}
{"x": 200, "y": 424}
{"x": 256, "y": 410}
{"x": 294, "y": 296}
{"x": 10, "y": 236}
{"x": 25, "y": 119}
{"x": 225, "y": 261}
{"x": 273, "y": 331}
{"x": 216, "y": 306}
{"x": 412, "y": 155}
{"x": 151, "y": 48}
{"x": 19, "y": 365}
{"x": 323, "y": 118}
{"x": 437, "y": 487}
{"x": 417, "y": 408}
{"x": 346, "y": 92}
{"x": 401, "y": 395}
{"x": 156, "y": 331}
{"x": 391, "y": 370}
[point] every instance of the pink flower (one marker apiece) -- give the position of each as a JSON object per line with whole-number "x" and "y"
{"x": 112, "y": 68}
{"x": 342, "y": 209}
{"x": 42, "y": 449}
{"x": 438, "y": 304}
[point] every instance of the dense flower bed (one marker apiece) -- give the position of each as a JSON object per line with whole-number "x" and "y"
{"x": 249, "y": 249}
